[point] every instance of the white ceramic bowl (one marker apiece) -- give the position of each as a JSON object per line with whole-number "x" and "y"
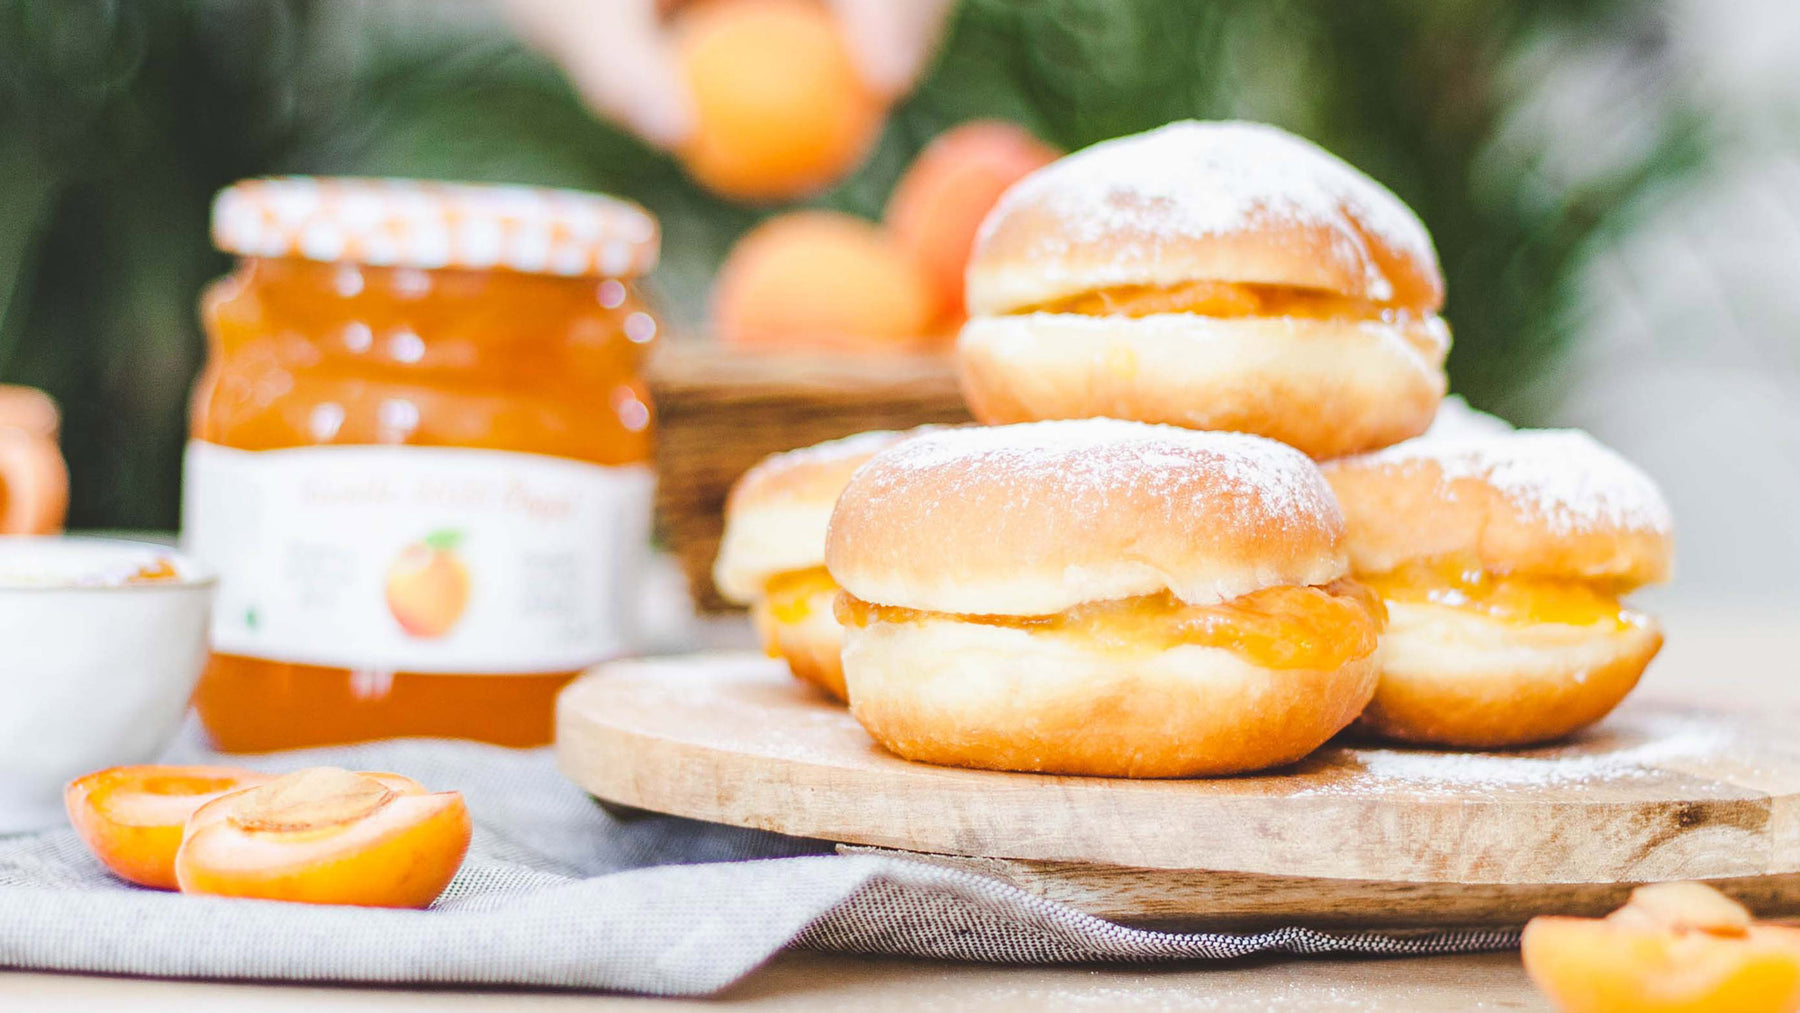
{"x": 92, "y": 674}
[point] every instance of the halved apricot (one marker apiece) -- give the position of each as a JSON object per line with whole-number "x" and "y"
{"x": 1674, "y": 948}
{"x": 327, "y": 836}
{"x": 131, "y": 818}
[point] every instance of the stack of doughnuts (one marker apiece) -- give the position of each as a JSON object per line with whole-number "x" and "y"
{"x": 1208, "y": 522}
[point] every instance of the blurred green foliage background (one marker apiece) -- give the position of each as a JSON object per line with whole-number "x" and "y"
{"x": 120, "y": 118}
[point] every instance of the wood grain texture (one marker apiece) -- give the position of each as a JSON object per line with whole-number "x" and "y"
{"x": 1657, "y": 792}
{"x": 1193, "y": 900}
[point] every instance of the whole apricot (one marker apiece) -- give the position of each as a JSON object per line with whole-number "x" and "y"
{"x": 936, "y": 210}
{"x": 821, "y": 280}
{"x": 779, "y": 108}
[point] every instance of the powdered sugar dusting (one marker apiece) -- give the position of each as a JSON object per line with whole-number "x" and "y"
{"x": 1192, "y": 180}
{"x": 1253, "y": 482}
{"x": 1457, "y": 420}
{"x": 702, "y": 698}
{"x": 1665, "y": 740}
{"x": 1563, "y": 474}
{"x": 845, "y": 448}
{"x": 847, "y": 451}
{"x": 1106, "y": 454}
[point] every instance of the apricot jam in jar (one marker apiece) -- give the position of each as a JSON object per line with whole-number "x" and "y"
{"x": 419, "y": 457}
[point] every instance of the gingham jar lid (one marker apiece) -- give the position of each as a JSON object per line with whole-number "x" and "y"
{"x": 414, "y": 223}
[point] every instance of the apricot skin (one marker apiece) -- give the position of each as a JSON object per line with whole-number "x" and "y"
{"x": 131, "y": 818}
{"x": 937, "y": 208}
{"x": 779, "y": 108}
{"x": 1604, "y": 966}
{"x": 820, "y": 280}
{"x": 402, "y": 855}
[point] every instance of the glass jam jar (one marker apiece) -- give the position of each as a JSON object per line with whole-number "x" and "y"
{"x": 419, "y": 457}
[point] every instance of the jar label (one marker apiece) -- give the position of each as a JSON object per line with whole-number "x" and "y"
{"x": 418, "y": 559}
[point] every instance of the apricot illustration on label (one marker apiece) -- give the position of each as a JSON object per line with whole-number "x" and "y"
{"x": 428, "y": 585}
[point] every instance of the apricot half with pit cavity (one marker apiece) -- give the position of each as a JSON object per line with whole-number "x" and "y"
{"x": 327, "y": 836}
{"x": 1674, "y": 948}
{"x": 131, "y": 818}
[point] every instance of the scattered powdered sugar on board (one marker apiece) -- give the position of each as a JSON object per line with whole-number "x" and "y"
{"x": 1194, "y": 179}
{"x": 1094, "y": 458}
{"x": 1563, "y": 474}
{"x": 1667, "y": 739}
{"x": 711, "y": 700}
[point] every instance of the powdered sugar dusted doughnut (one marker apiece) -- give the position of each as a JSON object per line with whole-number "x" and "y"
{"x": 1036, "y": 518}
{"x": 1212, "y": 276}
{"x": 1098, "y": 597}
{"x": 1544, "y": 502}
{"x": 1220, "y": 201}
{"x": 772, "y": 555}
{"x": 776, "y": 515}
{"x": 1500, "y": 559}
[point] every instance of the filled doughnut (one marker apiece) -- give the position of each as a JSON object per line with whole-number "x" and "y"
{"x": 1501, "y": 560}
{"x": 1098, "y": 597}
{"x": 1213, "y": 276}
{"x": 772, "y": 555}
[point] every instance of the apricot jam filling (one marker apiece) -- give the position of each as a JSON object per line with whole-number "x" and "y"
{"x": 791, "y": 595}
{"x": 1224, "y": 299}
{"x": 154, "y": 572}
{"x": 1278, "y": 627}
{"x": 1465, "y": 584}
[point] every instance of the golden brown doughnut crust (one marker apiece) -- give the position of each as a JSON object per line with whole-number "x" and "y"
{"x": 812, "y": 650}
{"x": 965, "y": 695}
{"x": 811, "y": 474}
{"x": 1550, "y": 503}
{"x": 776, "y": 513}
{"x": 1326, "y": 387}
{"x": 819, "y": 665}
{"x": 1201, "y": 201}
{"x": 1504, "y": 709}
{"x": 1036, "y": 518}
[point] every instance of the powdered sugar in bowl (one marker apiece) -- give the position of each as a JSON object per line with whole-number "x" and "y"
{"x": 103, "y": 642}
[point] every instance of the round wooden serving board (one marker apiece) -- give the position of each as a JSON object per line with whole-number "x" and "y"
{"x": 1354, "y": 834}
